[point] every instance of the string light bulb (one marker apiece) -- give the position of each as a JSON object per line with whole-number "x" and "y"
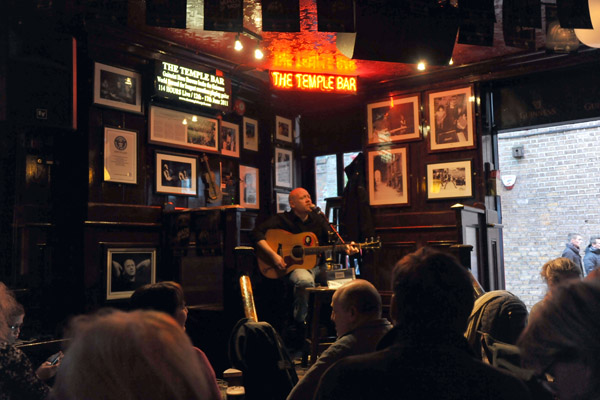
{"x": 238, "y": 46}
{"x": 258, "y": 54}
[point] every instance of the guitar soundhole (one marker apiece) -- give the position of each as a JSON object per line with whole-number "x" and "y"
{"x": 297, "y": 252}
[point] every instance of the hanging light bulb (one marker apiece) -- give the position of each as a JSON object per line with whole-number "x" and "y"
{"x": 258, "y": 54}
{"x": 238, "y": 46}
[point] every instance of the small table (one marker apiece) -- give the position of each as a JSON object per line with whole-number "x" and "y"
{"x": 317, "y": 296}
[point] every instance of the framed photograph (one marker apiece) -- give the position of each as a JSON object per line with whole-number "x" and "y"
{"x": 388, "y": 176}
{"x": 282, "y": 201}
{"x": 230, "y": 139}
{"x": 284, "y": 168}
{"x": 182, "y": 129}
{"x": 394, "y": 120}
{"x": 250, "y": 134}
{"x": 448, "y": 180}
{"x": 249, "y": 187}
{"x": 283, "y": 129}
{"x": 176, "y": 174}
{"x": 451, "y": 120}
{"x": 128, "y": 268}
{"x": 117, "y": 88}
{"x": 120, "y": 155}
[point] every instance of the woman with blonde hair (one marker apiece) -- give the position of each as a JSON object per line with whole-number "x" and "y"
{"x": 18, "y": 380}
{"x": 561, "y": 341}
{"x": 138, "y": 355}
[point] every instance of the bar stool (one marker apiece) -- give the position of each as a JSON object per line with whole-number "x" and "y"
{"x": 317, "y": 297}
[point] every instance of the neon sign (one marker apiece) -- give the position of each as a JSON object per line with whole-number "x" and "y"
{"x": 313, "y": 82}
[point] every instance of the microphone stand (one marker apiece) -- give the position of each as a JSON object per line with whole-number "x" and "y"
{"x": 318, "y": 211}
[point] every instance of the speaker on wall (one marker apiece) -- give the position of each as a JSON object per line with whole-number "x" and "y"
{"x": 166, "y": 13}
{"x": 335, "y": 15}
{"x": 405, "y": 33}
{"x": 574, "y": 14}
{"x": 40, "y": 85}
{"x": 280, "y": 15}
{"x": 224, "y": 15}
{"x": 477, "y": 18}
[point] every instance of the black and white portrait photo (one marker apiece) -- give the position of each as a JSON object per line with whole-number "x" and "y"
{"x": 128, "y": 269}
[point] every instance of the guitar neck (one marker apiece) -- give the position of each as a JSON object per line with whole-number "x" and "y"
{"x": 320, "y": 249}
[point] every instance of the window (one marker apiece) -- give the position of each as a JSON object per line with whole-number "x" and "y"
{"x": 327, "y": 176}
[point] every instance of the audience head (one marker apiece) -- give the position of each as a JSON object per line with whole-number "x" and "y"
{"x": 432, "y": 293}
{"x": 141, "y": 355}
{"x": 561, "y": 340}
{"x": 164, "y": 296}
{"x": 558, "y": 271}
{"x": 575, "y": 239}
{"x": 11, "y": 312}
{"x": 595, "y": 242}
{"x": 353, "y": 304}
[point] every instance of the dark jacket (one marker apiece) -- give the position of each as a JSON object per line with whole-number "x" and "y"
{"x": 356, "y": 221}
{"x": 591, "y": 259}
{"x": 572, "y": 253}
{"x": 435, "y": 367}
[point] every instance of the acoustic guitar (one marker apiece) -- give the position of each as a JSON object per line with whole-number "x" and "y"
{"x": 213, "y": 193}
{"x": 299, "y": 251}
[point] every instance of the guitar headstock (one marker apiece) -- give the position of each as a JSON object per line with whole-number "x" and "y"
{"x": 371, "y": 244}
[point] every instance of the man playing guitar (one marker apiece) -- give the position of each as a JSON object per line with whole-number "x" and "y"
{"x": 300, "y": 219}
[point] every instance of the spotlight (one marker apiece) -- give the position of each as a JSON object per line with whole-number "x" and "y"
{"x": 258, "y": 54}
{"x": 238, "y": 43}
{"x": 421, "y": 66}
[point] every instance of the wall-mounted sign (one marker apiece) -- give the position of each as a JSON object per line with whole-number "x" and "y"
{"x": 176, "y": 82}
{"x": 312, "y": 82}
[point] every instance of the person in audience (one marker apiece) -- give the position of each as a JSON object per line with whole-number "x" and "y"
{"x": 168, "y": 297}
{"x": 561, "y": 341}
{"x": 356, "y": 313}
{"x": 571, "y": 251}
{"x": 554, "y": 273}
{"x": 18, "y": 380}
{"x": 591, "y": 258}
{"x": 137, "y": 355}
{"x": 425, "y": 355}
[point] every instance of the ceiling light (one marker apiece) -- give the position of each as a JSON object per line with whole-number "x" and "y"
{"x": 258, "y": 54}
{"x": 421, "y": 66}
{"x": 238, "y": 46}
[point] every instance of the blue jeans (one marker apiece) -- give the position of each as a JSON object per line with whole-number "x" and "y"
{"x": 301, "y": 279}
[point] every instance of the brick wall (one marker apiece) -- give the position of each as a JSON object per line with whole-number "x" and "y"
{"x": 556, "y": 192}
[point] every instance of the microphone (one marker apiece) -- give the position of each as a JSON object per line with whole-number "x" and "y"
{"x": 316, "y": 209}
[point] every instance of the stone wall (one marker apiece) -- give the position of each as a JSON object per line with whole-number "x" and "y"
{"x": 555, "y": 193}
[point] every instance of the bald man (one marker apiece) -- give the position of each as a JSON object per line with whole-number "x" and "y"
{"x": 301, "y": 218}
{"x": 356, "y": 313}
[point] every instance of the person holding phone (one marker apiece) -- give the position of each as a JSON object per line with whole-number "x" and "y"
{"x": 18, "y": 380}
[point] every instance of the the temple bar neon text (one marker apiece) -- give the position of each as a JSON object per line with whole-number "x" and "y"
{"x": 312, "y": 82}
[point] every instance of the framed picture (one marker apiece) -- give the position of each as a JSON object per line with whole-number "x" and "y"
{"x": 184, "y": 130}
{"x": 283, "y": 129}
{"x": 250, "y": 134}
{"x": 451, "y": 120}
{"x": 282, "y": 201}
{"x": 394, "y": 120}
{"x": 249, "y": 187}
{"x": 230, "y": 139}
{"x": 120, "y": 155}
{"x": 284, "y": 168}
{"x": 176, "y": 174}
{"x": 117, "y": 88}
{"x": 447, "y": 180}
{"x": 388, "y": 176}
{"x": 128, "y": 268}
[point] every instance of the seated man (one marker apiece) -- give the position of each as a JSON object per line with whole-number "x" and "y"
{"x": 426, "y": 356}
{"x": 356, "y": 313}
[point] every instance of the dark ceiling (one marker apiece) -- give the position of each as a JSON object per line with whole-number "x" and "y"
{"x": 309, "y": 50}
